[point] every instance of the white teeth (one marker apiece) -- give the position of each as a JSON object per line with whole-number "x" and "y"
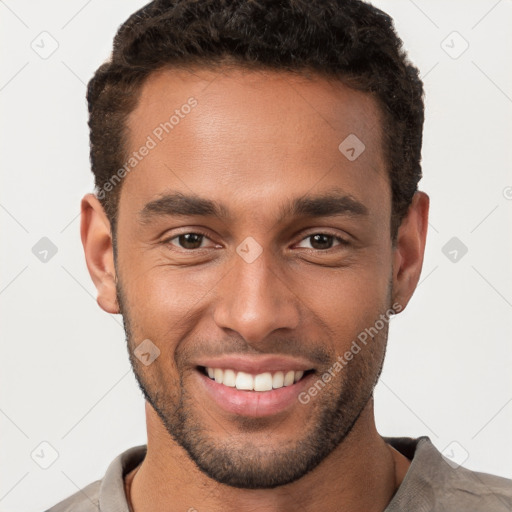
{"x": 229, "y": 378}
{"x": 289, "y": 377}
{"x": 244, "y": 381}
{"x": 298, "y": 375}
{"x": 262, "y": 382}
{"x": 218, "y": 375}
{"x": 278, "y": 380}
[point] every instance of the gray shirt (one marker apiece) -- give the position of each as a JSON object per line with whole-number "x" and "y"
{"x": 433, "y": 483}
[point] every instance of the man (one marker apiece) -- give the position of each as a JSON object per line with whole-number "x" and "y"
{"x": 257, "y": 222}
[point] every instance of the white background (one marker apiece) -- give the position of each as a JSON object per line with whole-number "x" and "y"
{"x": 65, "y": 374}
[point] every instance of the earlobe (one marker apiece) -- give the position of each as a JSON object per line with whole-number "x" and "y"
{"x": 410, "y": 249}
{"x": 95, "y": 231}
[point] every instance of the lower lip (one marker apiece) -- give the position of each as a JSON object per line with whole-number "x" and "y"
{"x": 255, "y": 404}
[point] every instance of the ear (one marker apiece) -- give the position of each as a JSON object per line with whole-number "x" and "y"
{"x": 410, "y": 248}
{"x": 96, "y": 236}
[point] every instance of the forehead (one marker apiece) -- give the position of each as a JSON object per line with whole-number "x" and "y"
{"x": 252, "y": 136}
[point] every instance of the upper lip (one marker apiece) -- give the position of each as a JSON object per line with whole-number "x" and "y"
{"x": 256, "y": 365}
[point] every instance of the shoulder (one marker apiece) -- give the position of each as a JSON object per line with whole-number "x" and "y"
{"x": 84, "y": 500}
{"x": 436, "y": 482}
{"x": 107, "y": 494}
{"x": 480, "y": 490}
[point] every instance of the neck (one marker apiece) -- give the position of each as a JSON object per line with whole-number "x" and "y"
{"x": 362, "y": 474}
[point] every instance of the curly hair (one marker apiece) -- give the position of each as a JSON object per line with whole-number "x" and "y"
{"x": 349, "y": 40}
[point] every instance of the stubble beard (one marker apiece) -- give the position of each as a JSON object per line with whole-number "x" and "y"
{"x": 237, "y": 461}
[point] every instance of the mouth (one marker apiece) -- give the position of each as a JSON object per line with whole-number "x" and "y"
{"x": 254, "y": 395}
{"x": 261, "y": 382}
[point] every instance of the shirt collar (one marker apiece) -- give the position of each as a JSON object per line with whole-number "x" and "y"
{"x": 420, "y": 451}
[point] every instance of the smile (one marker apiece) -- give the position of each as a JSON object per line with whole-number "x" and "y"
{"x": 260, "y": 394}
{"x": 243, "y": 381}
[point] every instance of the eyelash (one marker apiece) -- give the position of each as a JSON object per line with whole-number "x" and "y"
{"x": 342, "y": 241}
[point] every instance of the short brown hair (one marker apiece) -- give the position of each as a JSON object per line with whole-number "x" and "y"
{"x": 349, "y": 40}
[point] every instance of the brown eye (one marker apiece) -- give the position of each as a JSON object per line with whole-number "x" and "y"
{"x": 322, "y": 241}
{"x": 188, "y": 240}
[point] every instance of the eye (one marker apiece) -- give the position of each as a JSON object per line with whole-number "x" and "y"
{"x": 323, "y": 241}
{"x": 188, "y": 241}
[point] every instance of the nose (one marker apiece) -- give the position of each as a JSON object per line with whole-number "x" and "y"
{"x": 254, "y": 300}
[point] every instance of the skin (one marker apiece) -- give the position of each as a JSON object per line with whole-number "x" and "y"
{"x": 255, "y": 141}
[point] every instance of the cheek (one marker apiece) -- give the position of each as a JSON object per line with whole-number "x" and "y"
{"x": 163, "y": 295}
{"x": 164, "y": 305}
{"x": 347, "y": 300}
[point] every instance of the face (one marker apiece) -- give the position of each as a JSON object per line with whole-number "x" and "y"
{"x": 251, "y": 253}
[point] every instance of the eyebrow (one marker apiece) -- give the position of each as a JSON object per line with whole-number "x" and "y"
{"x": 325, "y": 205}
